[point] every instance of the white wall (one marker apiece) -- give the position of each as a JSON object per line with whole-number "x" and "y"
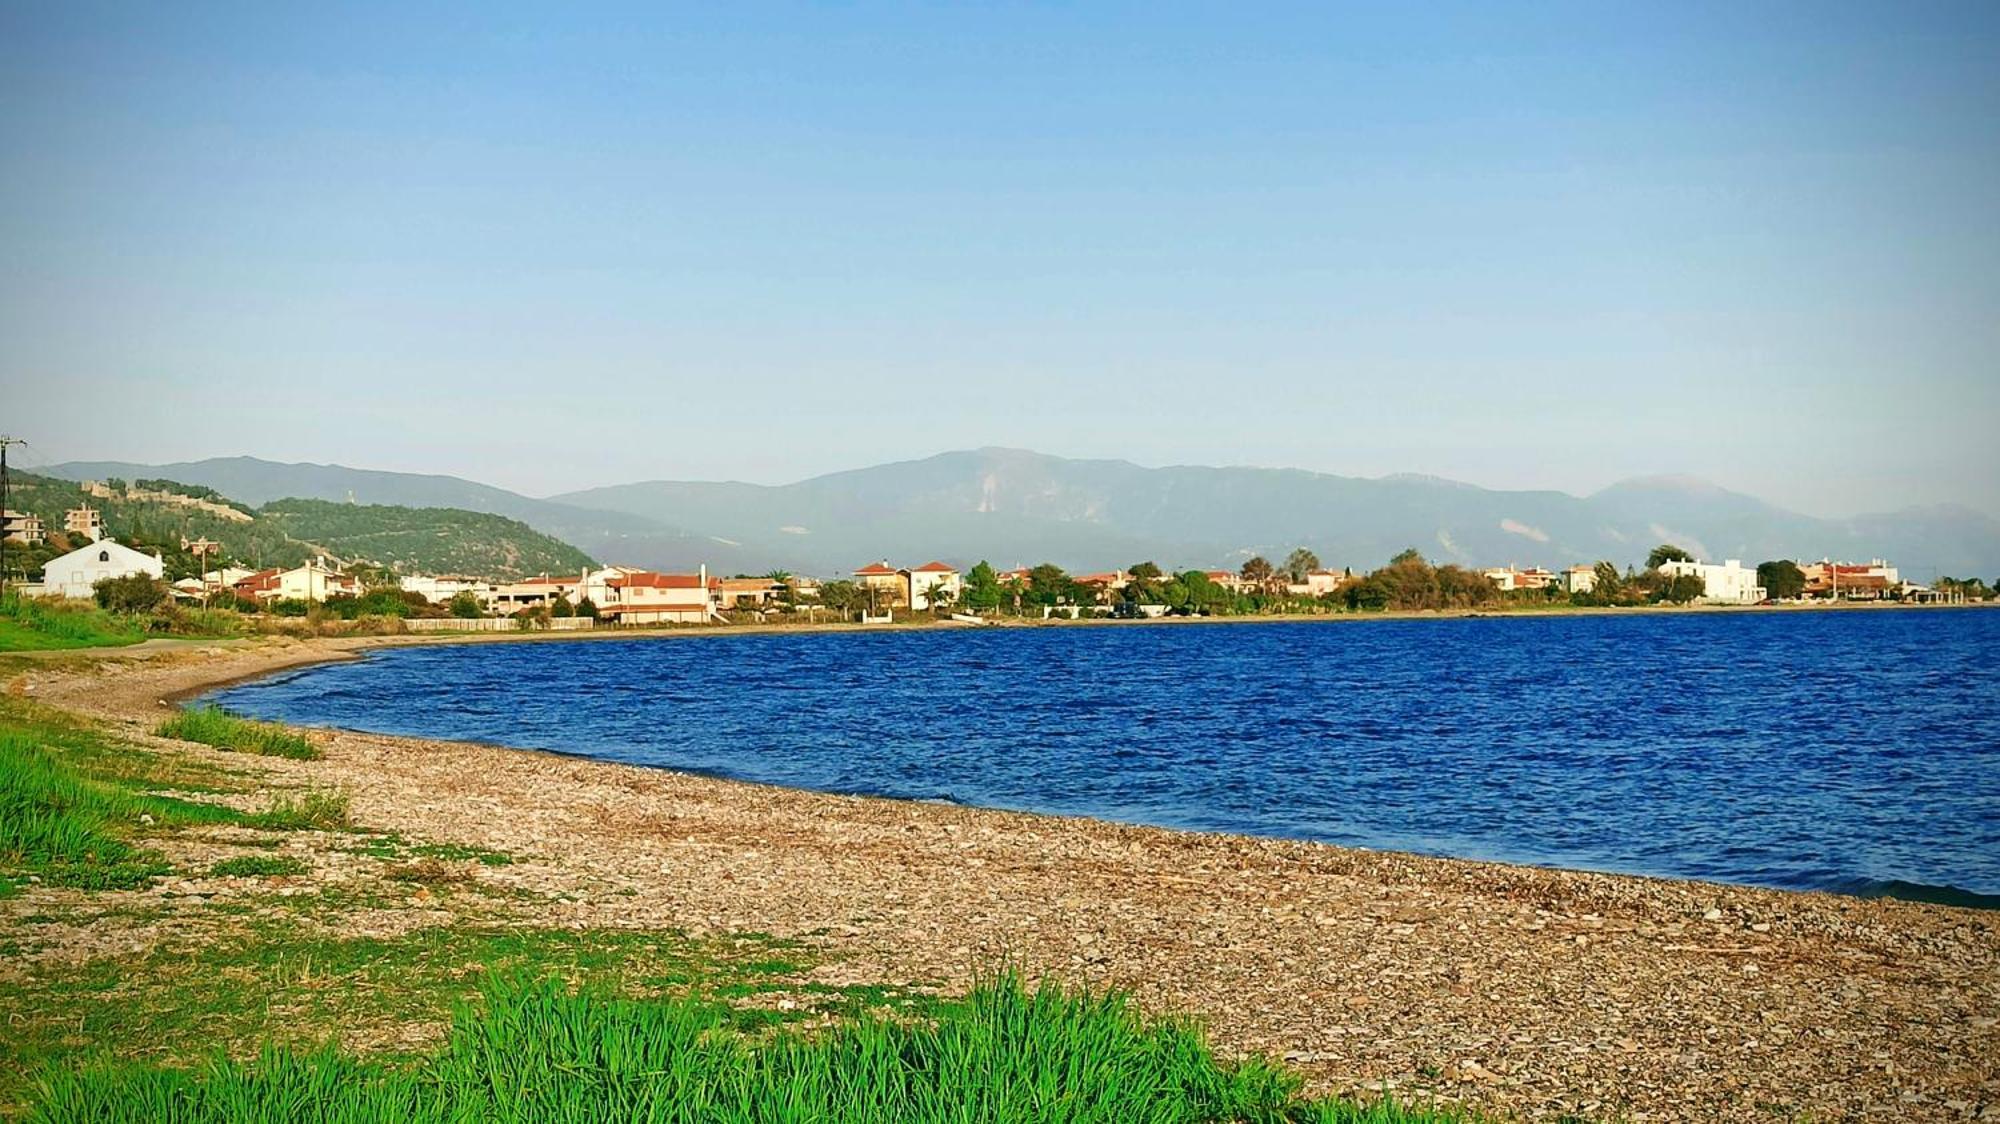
{"x": 77, "y": 573}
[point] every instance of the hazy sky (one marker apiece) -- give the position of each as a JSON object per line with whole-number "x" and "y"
{"x": 549, "y": 248}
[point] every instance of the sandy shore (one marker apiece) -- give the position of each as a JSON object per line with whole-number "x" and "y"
{"x": 1509, "y": 988}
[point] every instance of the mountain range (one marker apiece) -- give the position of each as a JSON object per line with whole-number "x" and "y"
{"x": 1016, "y": 507}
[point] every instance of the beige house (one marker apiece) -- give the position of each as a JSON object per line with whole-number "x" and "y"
{"x": 746, "y": 593}
{"x": 86, "y": 521}
{"x": 21, "y": 527}
{"x": 885, "y": 582}
{"x": 644, "y": 597}
{"x": 529, "y": 593}
{"x": 1579, "y": 579}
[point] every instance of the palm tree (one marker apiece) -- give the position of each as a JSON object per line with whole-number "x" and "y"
{"x": 939, "y": 596}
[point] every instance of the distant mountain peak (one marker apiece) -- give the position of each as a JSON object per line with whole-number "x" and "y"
{"x": 1014, "y": 505}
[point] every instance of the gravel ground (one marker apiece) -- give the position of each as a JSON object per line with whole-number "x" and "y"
{"x": 1512, "y": 989}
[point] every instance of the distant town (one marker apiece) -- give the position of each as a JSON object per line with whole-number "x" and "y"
{"x": 125, "y": 577}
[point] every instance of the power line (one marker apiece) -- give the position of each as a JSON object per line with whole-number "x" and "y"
{"x": 5, "y": 443}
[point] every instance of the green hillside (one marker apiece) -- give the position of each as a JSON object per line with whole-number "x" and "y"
{"x": 287, "y": 532}
{"x": 424, "y": 539}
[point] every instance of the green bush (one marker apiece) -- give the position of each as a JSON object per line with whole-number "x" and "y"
{"x": 133, "y": 593}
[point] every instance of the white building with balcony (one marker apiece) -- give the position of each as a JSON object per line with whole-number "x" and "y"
{"x": 1727, "y": 584}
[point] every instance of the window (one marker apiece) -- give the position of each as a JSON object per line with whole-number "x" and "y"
{"x": 104, "y": 556}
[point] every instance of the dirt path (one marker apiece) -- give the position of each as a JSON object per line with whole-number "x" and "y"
{"x": 1510, "y": 988}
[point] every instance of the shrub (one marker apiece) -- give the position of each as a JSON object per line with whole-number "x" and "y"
{"x": 465, "y": 605}
{"x": 133, "y": 593}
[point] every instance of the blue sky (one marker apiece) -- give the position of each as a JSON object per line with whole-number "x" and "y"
{"x": 1543, "y": 248}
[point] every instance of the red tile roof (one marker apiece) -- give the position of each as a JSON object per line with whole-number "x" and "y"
{"x": 650, "y": 580}
{"x": 875, "y": 569}
{"x": 936, "y": 568}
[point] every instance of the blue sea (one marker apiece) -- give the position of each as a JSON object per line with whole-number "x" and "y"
{"x": 1856, "y": 752}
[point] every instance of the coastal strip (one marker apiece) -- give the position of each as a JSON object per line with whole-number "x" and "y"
{"x": 1506, "y": 988}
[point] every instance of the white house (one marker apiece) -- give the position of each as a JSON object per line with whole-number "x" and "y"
{"x": 444, "y": 587}
{"x": 930, "y": 582}
{"x": 77, "y": 573}
{"x": 1579, "y": 579}
{"x": 1727, "y": 584}
{"x": 314, "y": 581}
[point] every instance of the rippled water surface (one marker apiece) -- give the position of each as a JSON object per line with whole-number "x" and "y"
{"x": 1854, "y": 751}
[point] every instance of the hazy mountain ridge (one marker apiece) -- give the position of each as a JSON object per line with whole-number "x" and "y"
{"x": 256, "y": 481}
{"x": 1013, "y": 506}
{"x": 289, "y": 531}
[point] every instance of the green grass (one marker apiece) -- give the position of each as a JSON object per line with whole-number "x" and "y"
{"x": 70, "y": 829}
{"x": 238, "y": 975}
{"x": 540, "y": 1051}
{"x": 76, "y": 806}
{"x": 211, "y": 725}
{"x": 314, "y": 811}
{"x": 259, "y": 866}
{"x": 33, "y": 625}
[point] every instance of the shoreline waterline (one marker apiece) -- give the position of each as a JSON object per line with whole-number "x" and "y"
{"x": 1451, "y": 778}
{"x": 1369, "y": 971}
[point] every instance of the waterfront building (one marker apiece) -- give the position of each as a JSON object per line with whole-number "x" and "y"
{"x": 645, "y": 597}
{"x": 1850, "y": 581}
{"x": 442, "y": 588}
{"x": 1579, "y": 579}
{"x": 313, "y": 581}
{"x": 1318, "y": 583}
{"x": 885, "y": 582}
{"x": 1727, "y": 584}
{"x": 77, "y": 573}
{"x": 747, "y": 593}
{"x": 924, "y": 585}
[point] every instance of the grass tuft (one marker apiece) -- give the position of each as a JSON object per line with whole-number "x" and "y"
{"x": 536, "y": 1051}
{"x": 315, "y": 811}
{"x": 211, "y": 725}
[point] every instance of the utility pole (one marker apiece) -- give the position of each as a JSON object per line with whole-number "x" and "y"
{"x": 4, "y": 443}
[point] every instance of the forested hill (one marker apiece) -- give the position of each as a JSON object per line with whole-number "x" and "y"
{"x": 437, "y": 540}
{"x": 286, "y": 532}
